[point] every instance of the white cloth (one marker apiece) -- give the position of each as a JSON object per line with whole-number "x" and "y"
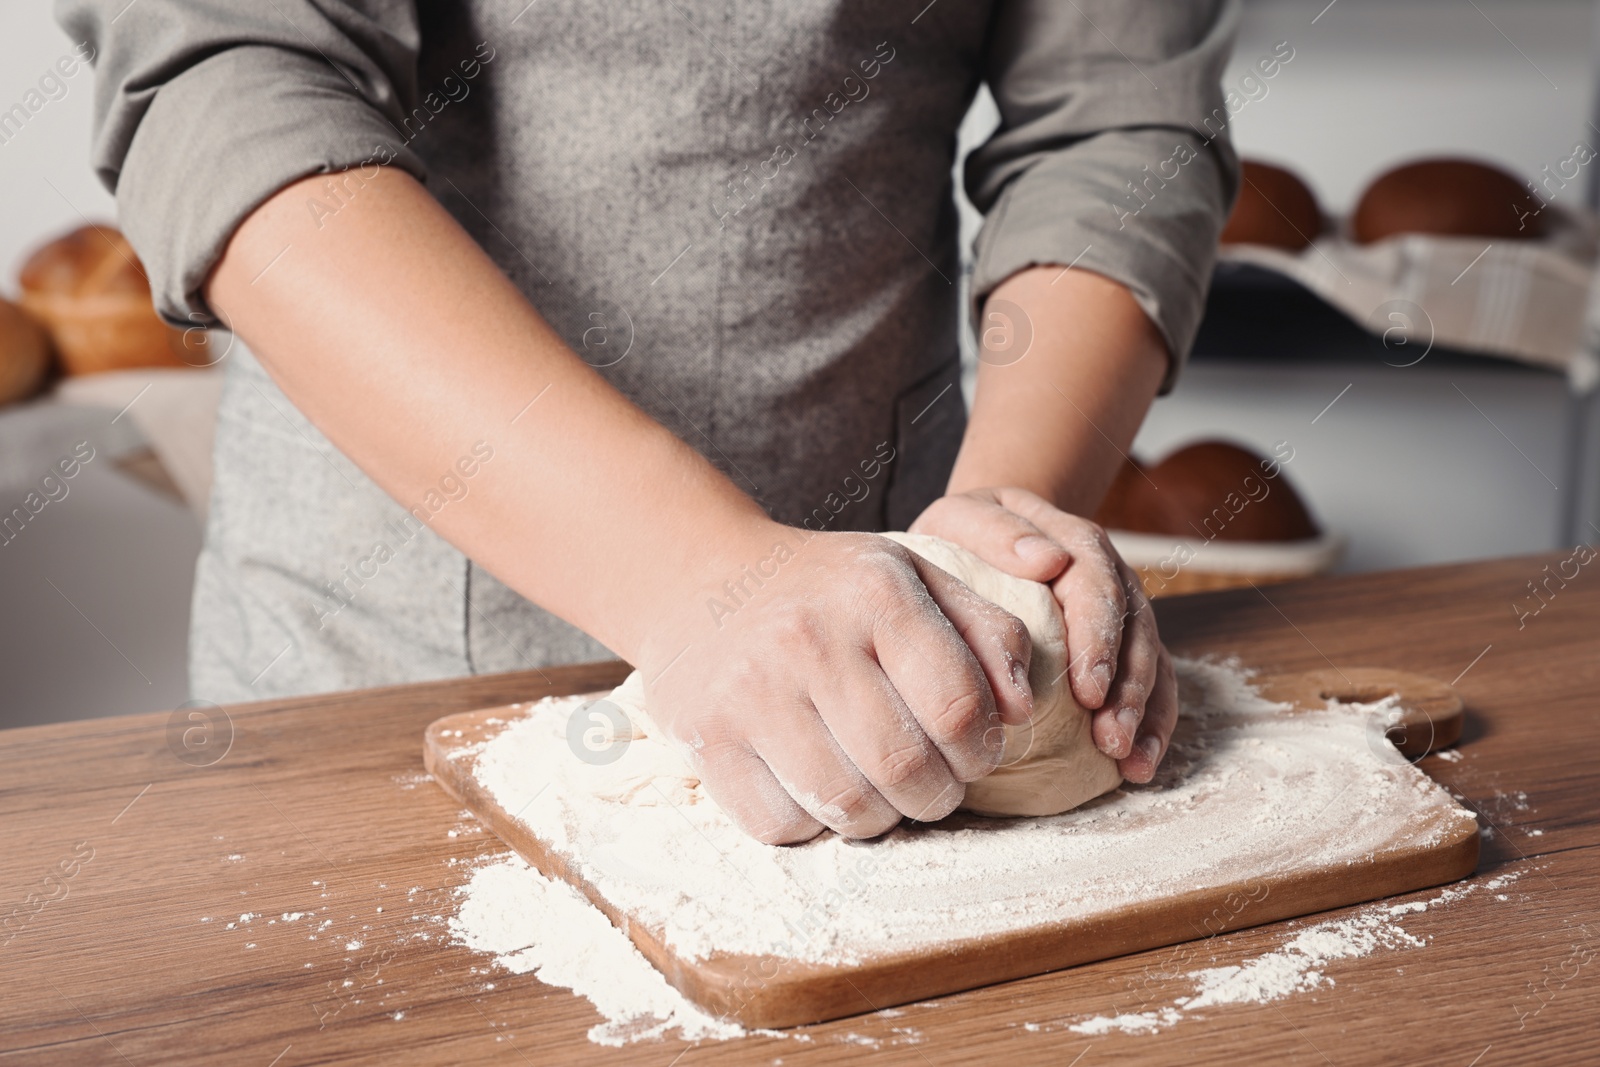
{"x": 174, "y": 409}
{"x": 1523, "y": 300}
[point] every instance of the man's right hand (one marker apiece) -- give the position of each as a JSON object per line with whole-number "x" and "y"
{"x": 858, "y": 685}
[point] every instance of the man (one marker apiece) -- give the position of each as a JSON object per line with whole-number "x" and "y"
{"x": 739, "y": 217}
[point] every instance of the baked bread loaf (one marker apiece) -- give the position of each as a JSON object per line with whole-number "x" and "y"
{"x": 91, "y": 294}
{"x": 1449, "y": 197}
{"x": 24, "y": 354}
{"x": 1207, "y": 491}
{"x": 1274, "y": 208}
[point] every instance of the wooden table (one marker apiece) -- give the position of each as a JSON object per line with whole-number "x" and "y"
{"x": 320, "y": 806}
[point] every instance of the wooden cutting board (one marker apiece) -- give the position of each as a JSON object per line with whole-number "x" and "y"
{"x": 792, "y": 992}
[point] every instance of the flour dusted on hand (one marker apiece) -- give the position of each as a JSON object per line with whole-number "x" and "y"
{"x": 1049, "y": 765}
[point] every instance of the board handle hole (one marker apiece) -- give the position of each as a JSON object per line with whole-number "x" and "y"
{"x": 1359, "y": 694}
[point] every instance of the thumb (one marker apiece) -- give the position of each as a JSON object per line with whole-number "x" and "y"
{"x": 999, "y": 537}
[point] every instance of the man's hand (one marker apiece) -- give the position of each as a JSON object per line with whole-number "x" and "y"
{"x": 855, "y": 685}
{"x": 1117, "y": 665}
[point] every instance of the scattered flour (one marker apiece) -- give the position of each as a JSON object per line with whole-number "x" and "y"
{"x": 532, "y": 924}
{"x": 1247, "y": 792}
{"x": 1296, "y": 966}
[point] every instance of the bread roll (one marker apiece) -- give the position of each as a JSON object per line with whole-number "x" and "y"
{"x": 1274, "y": 208}
{"x": 24, "y": 354}
{"x": 1208, "y": 491}
{"x": 1450, "y": 197}
{"x": 91, "y": 294}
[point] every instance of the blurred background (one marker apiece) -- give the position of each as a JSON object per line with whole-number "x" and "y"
{"x": 1429, "y": 397}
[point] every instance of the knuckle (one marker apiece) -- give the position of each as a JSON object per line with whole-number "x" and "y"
{"x": 799, "y": 629}
{"x": 1096, "y": 535}
{"x": 881, "y": 589}
{"x": 1135, "y": 693}
{"x": 1116, "y": 590}
{"x": 713, "y": 741}
{"x": 1144, "y": 662}
{"x": 994, "y": 628}
{"x": 960, "y": 716}
{"x": 1010, "y": 631}
{"x": 903, "y": 765}
{"x": 1090, "y": 538}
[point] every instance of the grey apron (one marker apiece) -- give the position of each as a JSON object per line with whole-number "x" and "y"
{"x": 741, "y": 214}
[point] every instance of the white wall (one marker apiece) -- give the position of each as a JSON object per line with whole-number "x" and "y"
{"x": 1402, "y": 464}
{"x": 1376, "y": 82}
{"x": 46, "y": 186}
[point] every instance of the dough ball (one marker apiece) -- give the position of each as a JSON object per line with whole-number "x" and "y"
{"x": 1274, "y": 208}
{"x": 629, "y": 761}
{"x": 1050, "y": 764}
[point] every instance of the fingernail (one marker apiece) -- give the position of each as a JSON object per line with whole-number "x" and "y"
{"x": 1035, "y": 549}
{"x": 1101, "y": 673}
{"x": 1019, "y": 678}
{"x": 1150, "y": 745}
{"x": 1128, "y": 719}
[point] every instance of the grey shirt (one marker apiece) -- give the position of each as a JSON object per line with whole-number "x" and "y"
{"x": 741, "y": 213}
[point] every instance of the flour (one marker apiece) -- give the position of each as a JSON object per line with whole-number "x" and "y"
{"x": 1247, "y": 792}
{"x": 535, "y": 925}
{"x": 1297, "y": 966}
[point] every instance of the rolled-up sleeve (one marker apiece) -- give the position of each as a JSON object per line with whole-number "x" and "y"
{"x": 1112, "y": 152}
{"x": 205, "y": 108}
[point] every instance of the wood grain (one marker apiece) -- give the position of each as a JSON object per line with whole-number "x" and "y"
{"x": 1429, "y": 715}
{"x": 323, "y": 796}
{"x": 766, "y": 992}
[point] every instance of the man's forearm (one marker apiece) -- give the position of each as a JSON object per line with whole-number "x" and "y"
{"x": 399, "y": 338}
{"x": 1058, "y": 420}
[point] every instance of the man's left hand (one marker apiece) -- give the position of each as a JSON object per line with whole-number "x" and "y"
{"x": 1118, "y": 668}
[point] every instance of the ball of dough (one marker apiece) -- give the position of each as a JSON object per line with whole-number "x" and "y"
{"x": 630, "y": 761}
{"x": 1050, "y": 764}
